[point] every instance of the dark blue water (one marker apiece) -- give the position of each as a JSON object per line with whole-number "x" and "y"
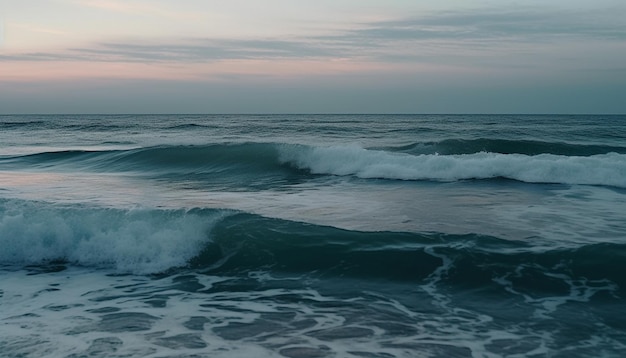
{"x": 312, "y": 236}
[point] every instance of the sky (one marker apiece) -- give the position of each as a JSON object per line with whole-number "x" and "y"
{"x": 305, "y": 56}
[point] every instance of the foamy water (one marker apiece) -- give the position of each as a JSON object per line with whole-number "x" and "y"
{"x": 312, "y": 236}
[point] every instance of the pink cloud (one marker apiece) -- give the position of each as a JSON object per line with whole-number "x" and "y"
{"x": 288, "y": 68}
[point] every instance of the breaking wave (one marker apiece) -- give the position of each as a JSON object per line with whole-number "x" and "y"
{"x": 150, "y": 241}
{"x": 602, "y": 169}
{"x": 135, "y": 241}
{"x": 254, "y": 163}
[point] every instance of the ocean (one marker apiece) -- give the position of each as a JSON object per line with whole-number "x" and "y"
{"x": 303, "y": 236}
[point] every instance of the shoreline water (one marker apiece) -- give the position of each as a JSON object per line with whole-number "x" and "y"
{"x": 312, "y": 236}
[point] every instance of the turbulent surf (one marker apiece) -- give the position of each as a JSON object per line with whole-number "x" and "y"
{"x": 312, "y": 236}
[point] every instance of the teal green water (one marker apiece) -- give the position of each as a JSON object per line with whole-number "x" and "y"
{"x": 312, "y": 236}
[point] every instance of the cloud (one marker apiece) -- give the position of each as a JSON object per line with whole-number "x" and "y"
{"x": 487, "y": 37}
{"x": 185, "y": 50}
{"x": 522, "y": 24}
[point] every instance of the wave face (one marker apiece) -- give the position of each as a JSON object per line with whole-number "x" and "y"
{"x": 258, "y": 164}
{"x": 244, "y": 243}
{"x": 312, "y": 236}
{"x": 230, "y": 243}
{"x": 132, "y": 241}
{"x": 236, "y": 284}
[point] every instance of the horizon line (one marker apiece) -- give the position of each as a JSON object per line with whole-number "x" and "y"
{"x": 311, "y": 114}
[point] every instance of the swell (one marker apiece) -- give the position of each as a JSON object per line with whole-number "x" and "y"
{"x": 245, "y": 242}
{"x": 21, "y": 124}
{"x": 150, "y": 241}
{"x": 155, "y": 158}
{"x": 230, "y": 166}
{"x": 267, "y": 164}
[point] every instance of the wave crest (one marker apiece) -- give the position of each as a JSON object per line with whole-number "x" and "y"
{"x": 136, "y": 241}
{"x": 267, "y": 164}
{"x": 602, "y": 169}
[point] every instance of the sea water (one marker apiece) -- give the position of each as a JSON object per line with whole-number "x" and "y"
{"x": 312, "y": 236}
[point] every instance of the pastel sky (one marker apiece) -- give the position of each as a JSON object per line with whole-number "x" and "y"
{"x": 322, "y": 56}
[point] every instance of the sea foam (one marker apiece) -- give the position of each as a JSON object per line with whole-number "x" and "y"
{"x": 602, "y": 169}
{"x": 134, "y": 241}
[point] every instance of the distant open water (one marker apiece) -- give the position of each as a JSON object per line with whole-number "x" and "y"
{"x": 312, "y": 236}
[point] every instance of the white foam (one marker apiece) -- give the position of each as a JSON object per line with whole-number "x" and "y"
{"x": 55, "y": 315}
{"x": 60, "y": 314}
{"x": 605, "y": 169}
{"x": 580, "y": 290}
{"x": 137, "y": 241}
